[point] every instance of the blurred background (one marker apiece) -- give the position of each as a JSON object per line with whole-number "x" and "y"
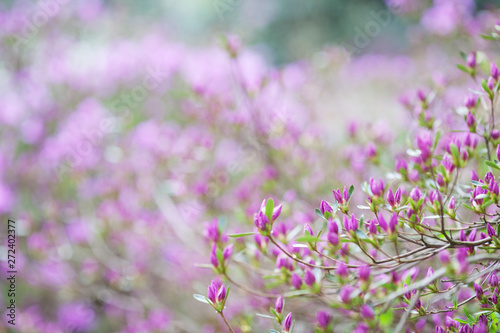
{"x": 129, "y": 127}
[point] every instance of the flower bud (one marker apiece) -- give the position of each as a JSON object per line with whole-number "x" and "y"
{"x": 498, "y": 152}
{"x": 354, "y": 223}
{"x": 490, "y": 230}
{"x": 444, "y": 256}
{"x": 397, "y": 196}
{"x": 472, "y": 235}
{"x": 324, "y": 319}
{"x": 260, "y": 220}
{"x": 494, "y": 71}
{"x": 287, "y": 324}
{"x": 401, "y": 164}
{"x": 347, "y": 224}
{"x": 371, "y": 150}
{"x": 345, "y": 194}
{"x": 393, "y": 223}
{"x": 221, "y": 294}
{"x": 342, "y": 270}
{"x": 325, "y": 207}
{"x": 367, "y": 312}
{"x": 333, "y": 238}
{"x": 415, "y": 194}
{"x": 470, "y": 101}
{"x": 309, "y": 278}
{"x": 390, "y": 198}
{"x": 418, "y": 305}
{"x": 364, "y": 273}
{"x": 372, "y": 227}
{"x": 333, "y": 227}
{"x": 440, "y": 180}
{"x": 277, "y": 211}
{"x": 345, "y": 293}
{"x": 471, "y": 121}
{"x": 490, "y": 83}
{"x": 338, "y": 196}
{"x": 474, "y": 176}
{"x": 430, "y": 272}
{"x": 226, "y": 253}
{"x": 493, "y": 280}
{"x": 451, "y": 204}
{"x": 495, "y": 134}
{"x": 213, "y": 256}
{"x": 307, "y": 229}
{"x": 278, "y": 306}
{"x": 471, "y": 60}
{"x": 479, "y": 291}
{"x": 296, "y": 281}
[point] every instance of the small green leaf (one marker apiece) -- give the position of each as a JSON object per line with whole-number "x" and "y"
{"x": 273, "y": 331}
{"x": 476, "y": 183}
{"x": 487, "y": 203}
{"x": 219, "y": 255}
{"x": 468, "y": 207}
{"x": 484, "y": 84}
{"x": 318, "y": 212}
{"x": 386, "y": 318}
{"x": 492, "y": 165}
{"x": 243, "y": 234}
{"x": 463, "y": 68}
{"x": 201, "y": 298}
{"x": 306, "y": 238}
{"x": 488, "y": 37}
{"x": 439, "y": 133}
{"x": 361, "y": 234}
{"x": 269, "y": 209}
{"x": 469, "y": 316}
{"x": 265, "y": 316}
{"x": 455, "y": 152}
{"x": 351, "y": 191}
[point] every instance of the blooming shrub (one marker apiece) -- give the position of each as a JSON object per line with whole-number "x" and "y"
{"x": 374, "y": 271}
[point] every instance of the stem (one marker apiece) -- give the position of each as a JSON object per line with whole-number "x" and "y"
{"x": 229, "y": 326}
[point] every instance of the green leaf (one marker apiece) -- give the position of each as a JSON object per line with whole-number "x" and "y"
{"x": 201, "y": 298}
{"x": 318, "y": 212}
{"x": 488, "y": 37}
{"x": 487, "y": 203}
{"x": 476, "y": 183}
{"x": 269, "y": 209}
{"x": 439, "y": 133}
{"x": 273, "y": 331}
{"x": 386, "y": 318}
{"x": 351, "y": 191}
{"x": 492, "y": 165}
{"x": 468, "y": 207}
{"x": 484, "y": 84}
{"x": 463, "y": 68}
{"x": 461, "y": 321}
{"x": 265, "y": 316}
{"x": 219, "y": 255}
{"x": 455, "y": 152}
{"x": 331, "y": 278}
{"x": 243, "y": 234}
{"x": 306, "y": 238}
{"x": 361, "y": 234}
{"x": 273, "y": 311}
{"x": 469, "y": 316}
